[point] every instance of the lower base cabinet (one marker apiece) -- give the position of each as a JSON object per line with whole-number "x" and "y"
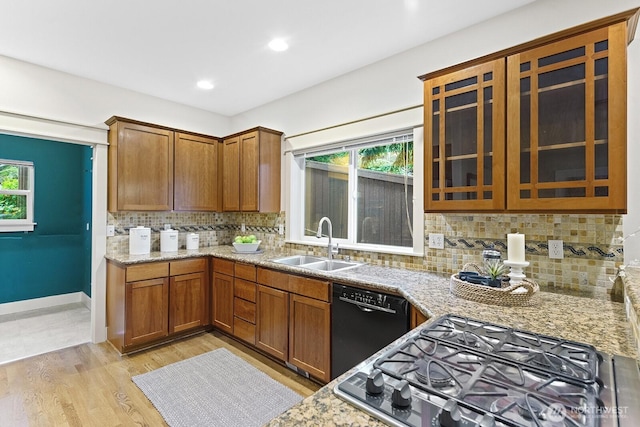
{"x": 187, "y": 301}
{"x": 146, "y": 308}
{"x": 272, "y": 322}
{"x": 151, "y": 302}
{"x": 417, "y": 318}
{"x": 244, "y": 310}
{"x": 310, "y": 335}
{"x": 293, "y": 321}
{"x": 222, "y": 302}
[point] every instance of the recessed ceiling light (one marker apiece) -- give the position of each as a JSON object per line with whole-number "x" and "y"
{"x": 279, "y": 45}
{"x": 412, "y": 4}
{"x": 205, "y": 84}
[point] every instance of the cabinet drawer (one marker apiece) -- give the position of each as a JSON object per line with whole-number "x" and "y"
{"x": 146, "y": 271}
{"x": 245, "y": 310}
{"x": 244, "y": 330}
{"x": 245, "y": 290}
{"x": 187, "y": 266}
{"x": 246, "y": 271}
{"x": 273, "y": 279}
{"x": 312, "y": 288}
{"x": 223, "y": 266}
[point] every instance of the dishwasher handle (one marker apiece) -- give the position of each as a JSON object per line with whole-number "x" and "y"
{"x": 367, "y": 307}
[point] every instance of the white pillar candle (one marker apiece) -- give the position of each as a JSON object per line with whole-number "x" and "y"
{"x": 515, "y": 247}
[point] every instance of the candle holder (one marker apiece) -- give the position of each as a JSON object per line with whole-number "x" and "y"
{"x": 516, "y": 275}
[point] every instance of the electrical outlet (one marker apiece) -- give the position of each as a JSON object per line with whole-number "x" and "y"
{"x": 167, "y": 226}
{"x": 436, "y": 240}
{"x": 556, "y": 250}
{"x": 281, "y": 229}
{"x": 243, "y": 228}
{"x": 111, "y": 230}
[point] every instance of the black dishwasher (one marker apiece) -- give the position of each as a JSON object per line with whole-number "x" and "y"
{"x": 363, "y": 322}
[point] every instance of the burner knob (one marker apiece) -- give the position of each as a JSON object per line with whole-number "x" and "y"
{"x": 401, "y": 396}
{"x": 487, "y": 421}
{"x": 450, "y": 415}
{"x": 375, "y": 382}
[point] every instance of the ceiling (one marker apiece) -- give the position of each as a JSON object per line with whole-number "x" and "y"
{"x": 163, "y": 47}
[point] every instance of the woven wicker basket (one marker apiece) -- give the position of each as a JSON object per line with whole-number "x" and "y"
{"x": 518, "y": 294}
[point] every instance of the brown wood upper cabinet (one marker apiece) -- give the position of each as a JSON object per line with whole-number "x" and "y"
{"x": 195, "y": 173}
{"x": 464, "y": 139}
{"x": 153, "y": 168}
{"x": 560, "y": 101}
{"x": 567, "y": 124}
{"x": 140, "y": 167}
{"x": 251, "y": 171}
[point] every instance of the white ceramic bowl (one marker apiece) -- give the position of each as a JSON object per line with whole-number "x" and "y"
{"x": 246, "y": 247}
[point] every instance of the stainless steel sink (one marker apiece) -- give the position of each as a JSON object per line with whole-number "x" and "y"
{"x": 298, "y": 260}
{"x": 316, "y": 263}
{"x": 331, "y": 265}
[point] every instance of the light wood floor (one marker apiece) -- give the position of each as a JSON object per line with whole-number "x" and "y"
{"x": 90, "y": 384}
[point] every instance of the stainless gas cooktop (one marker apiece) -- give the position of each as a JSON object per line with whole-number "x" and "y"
{"x": 460, "y": 372}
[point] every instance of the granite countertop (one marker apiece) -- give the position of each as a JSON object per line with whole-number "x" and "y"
{"x": 600, "y": 323}
{"x": 631, "y": 277}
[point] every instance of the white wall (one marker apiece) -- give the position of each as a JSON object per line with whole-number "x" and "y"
{"x": 392, "y": 84}
{"x": 42, "y": 92}
{"x": 632, "y": 220}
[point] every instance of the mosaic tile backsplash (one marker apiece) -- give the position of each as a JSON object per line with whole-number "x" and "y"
{"x": 213, "y": 228}
{"x": 592, "y": 243}
{"x": 592, "y": 246}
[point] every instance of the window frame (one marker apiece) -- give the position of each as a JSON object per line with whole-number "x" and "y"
{"x": 296, "y": 211}
{"x": 27, "y": 224}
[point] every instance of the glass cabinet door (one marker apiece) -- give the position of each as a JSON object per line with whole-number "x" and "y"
{"x": 566, "y": 124}
{"x": 464, "y": 139}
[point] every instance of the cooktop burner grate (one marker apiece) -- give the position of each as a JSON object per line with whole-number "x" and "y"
{"x": 566, "y": 358}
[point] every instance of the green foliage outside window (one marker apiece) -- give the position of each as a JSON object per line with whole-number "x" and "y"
{"x": 11, "y": 206}
{"x": 396, "y": 158}
{"x": 393, "y": 158}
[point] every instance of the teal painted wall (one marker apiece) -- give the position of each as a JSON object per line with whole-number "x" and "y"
{"x": 54, "y": 259}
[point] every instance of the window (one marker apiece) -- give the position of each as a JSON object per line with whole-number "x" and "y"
{"x": 16, "y": 195}
{"x": 366, "y": 189}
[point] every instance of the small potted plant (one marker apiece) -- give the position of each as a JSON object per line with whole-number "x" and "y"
{"x": 495, "y": 270}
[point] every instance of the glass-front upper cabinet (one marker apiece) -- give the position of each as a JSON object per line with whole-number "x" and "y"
{"x": 464, "y": 121}
{"x": 566, "y": 124}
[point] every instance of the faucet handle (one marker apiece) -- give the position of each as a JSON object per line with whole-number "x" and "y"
{"x": 336, "y": 249}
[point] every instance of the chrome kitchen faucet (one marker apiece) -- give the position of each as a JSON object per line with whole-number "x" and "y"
{"x": 330, "y": 249}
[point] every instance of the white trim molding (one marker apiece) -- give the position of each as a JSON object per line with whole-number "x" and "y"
{"x": 44, "y": 302}
{"x": 26, "y": 125}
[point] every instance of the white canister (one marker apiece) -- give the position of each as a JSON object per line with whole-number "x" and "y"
{"x": 193, "y": 241}
{"x": 169, "y": 241}
{"x": 139, "y": 240}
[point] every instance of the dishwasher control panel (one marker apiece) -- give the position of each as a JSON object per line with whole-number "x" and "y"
{"x": 367, "y": 298}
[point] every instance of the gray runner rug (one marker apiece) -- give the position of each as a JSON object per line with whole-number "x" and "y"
{"x": 215, "y": 389}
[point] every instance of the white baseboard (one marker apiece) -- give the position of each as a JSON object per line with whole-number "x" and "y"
{"x": 85, "y": 300}
{"x": 45, "y": 302}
